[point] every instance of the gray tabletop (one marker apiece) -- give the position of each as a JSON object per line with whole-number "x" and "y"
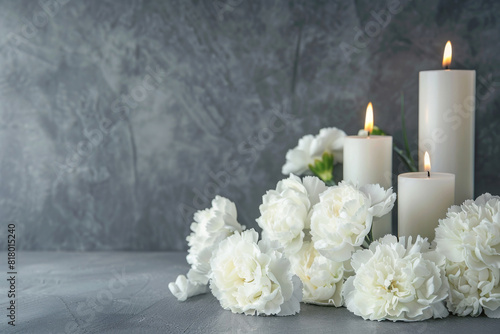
{"x": 126, "y": 292}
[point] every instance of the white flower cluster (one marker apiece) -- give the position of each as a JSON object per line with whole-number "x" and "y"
{"x": 209, "y": 228}
{"x": 317, "y": 233}
{"x": 397, "y": 281}
{"x": 338, "y": 218}
{"x": 246, "y": 276}
{"x": 469, "y": 237}
{"x": 253, "y": 278}
{"x": 309, "y": 148}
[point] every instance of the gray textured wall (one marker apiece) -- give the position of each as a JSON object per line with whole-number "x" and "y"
{"x": 114, "y": 114}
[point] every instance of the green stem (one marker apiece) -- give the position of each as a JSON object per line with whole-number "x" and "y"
{"x": 330, "y": 183}
{"x": 406, "y": 160}
{"x": 369, "y": 238}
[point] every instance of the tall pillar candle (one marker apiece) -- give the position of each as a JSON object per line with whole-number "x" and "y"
{"x": 423, "y": 199}
{"x": 368, "y": 159}
{"x": 446, "y": 124}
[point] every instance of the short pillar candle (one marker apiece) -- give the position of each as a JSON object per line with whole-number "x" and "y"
{"x": 423, "y": 199}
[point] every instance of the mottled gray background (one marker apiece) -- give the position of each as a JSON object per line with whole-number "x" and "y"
{"x": 95, "y": 155}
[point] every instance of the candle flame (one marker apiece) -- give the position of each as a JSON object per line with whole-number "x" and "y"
{"x": 369, "y": 118}
{"x": 447, "y": 55}
{"x": 427, "y": 162}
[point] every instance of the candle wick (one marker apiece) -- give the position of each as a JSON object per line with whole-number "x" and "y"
{"x": 447, "y": 67}
{"x": 428, "y": 173}
{"x": 368, "y": 133}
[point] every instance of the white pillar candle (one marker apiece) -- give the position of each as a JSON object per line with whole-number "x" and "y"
{"x": 423, "y": 199}
{"x": 446, "y": 124}
{"x": 368, "y": 159}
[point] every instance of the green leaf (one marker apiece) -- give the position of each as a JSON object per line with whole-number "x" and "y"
{"x": 323, "y": 168}
{"x": 378, "y": 131}
{"x": 405, "y": 159}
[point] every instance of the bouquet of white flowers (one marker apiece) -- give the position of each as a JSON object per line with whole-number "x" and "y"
{"x": 317, "y": 247}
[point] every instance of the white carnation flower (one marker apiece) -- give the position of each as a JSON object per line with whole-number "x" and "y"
{"x": 285, "y": 211}
{"x": 330, "y": 140}
{"x": 322, "y": 278}
{"x": 471, "y": 290}
{"x": 395, "y": 281}
{"x": 340, "y": 221}
{"x": 382, "y": 201}
{"x": 209, "y": 228}
{"x": 314, "y": 187}
{"x": 343, "y": 217}
{"x": 253, "y": 278}
{"x": 470, "y": 233}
